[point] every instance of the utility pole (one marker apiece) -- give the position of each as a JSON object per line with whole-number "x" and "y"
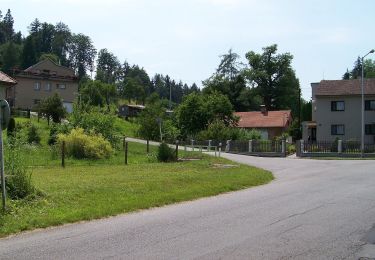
{"x": 299, "y": 112}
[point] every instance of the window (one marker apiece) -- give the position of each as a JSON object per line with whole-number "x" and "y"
{"x": 369, "y": 105}
{"x": 337, "y": 105}
{"x": 337, "y": 129}
{"x": 370, "y": 129}
{"x": 36, "y": 101}
{"x": 48, "y": 87}
{"x": 37, "y": 86}
{"x": 61, "y": 86}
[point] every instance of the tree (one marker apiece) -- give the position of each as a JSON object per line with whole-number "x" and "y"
{"x": 97, "y": 93}
{"x": 61, "y": 41}
{"x": 151, "y": 119}
{"x": 356, "y": 72}
{"x": 52, "y": 107}
{"x": 228, "y": 80}
{"x": 7, "y": 26}
{"x": 346, "y": 75}
{"x": 229, "y": 66}
{"x": 107, "y": 67}
{"x": 270, "y": 73}
{"x": 28, "y": 53}
{"x": 11, "y": 56}
{"x": 81, "y": 54}
{"x": 196, "y": 111}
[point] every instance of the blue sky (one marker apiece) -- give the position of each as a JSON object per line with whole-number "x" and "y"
{"x": 185, "y": 38}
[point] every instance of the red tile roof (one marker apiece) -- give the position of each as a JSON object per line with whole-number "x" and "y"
{"x": 5, "y": 79}
{"x": 257, "y": 119}
{"x": 345, "y": 87}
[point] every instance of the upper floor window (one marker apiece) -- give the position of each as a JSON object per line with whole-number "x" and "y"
{"x": 337, "y": 129}
{"x": 337, "y": 105}
{"x": 370, "y": 129}
{"x": 61, "y": 86}
{"x": 37, "y": 86}
{"x": 48, "y": 86}
{"x": 369, "y": 104}
{"x": 36, "y": 101}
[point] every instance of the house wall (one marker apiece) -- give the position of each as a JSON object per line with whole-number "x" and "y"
{"x": 269, "y": 132}
{"x": 2, "y": 91}
{"x": 351, "y": 118}
{"x": 26, "y": 97}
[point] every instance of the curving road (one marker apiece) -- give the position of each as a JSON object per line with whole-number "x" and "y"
{"x": 315, "y": 209}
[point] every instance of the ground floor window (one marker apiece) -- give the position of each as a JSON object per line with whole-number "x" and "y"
{"x": 370, "y": 129}
{"x": 337, "y": 129}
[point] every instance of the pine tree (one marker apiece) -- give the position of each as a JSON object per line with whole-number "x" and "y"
{"x": 28, "y": 57}
{"x": 7, "y": 25}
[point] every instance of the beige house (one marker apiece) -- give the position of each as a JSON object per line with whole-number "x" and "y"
{"x": 336, "y": 111}
{"x": 41, "y": 81}
{"x": 6, "y": 83}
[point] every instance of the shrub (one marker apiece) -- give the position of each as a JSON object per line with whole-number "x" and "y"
{"x": 33, "y": 136}
{"x": 216, "y": 130}
{"x": 81, "y": 145}
{"x": 11, "y": 132}
{"x": 245, "y": 134}
{"x": 18, "y": 184}
{"x": 166, "y": 154}
{"x": 94, "y": 120}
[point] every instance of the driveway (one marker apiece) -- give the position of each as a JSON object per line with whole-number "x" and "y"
{"x": 315, "y": 209}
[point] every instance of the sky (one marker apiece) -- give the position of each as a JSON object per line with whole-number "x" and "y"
{"x": 185, "y": 39}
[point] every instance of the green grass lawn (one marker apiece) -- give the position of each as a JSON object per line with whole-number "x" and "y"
{"x": 91, "y": 191}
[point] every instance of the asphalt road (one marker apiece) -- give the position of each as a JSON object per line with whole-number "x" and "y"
{"x": 315, "y": 209}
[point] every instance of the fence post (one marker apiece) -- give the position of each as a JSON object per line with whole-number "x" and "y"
{"x": 126, "y": 153}
{"x": 250, "y": 146}
{"x": 339, "y": 146}
{"x": 302, "y": 146}
{"x": 283, "y": 150}
{"x": 209, "y": 145}
{"x": 185, "y": 147}
{"x": 63, "y": 154}
{"x": 123, "y": 142}
{"x": 148, "y": 145}
{"x": 227, "y": 147}
{"x": 177, "y": 149}
{"x": 215, "y": 150}
{"x": 192, "y": 145}
{"x": 220, "y": 149}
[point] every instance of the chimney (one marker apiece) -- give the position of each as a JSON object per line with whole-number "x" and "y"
{"x": 263, "y": 109}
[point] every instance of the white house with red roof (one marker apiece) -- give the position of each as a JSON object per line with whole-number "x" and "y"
{"x": 269, "y": 123}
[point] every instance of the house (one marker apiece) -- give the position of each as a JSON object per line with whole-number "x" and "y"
{"x": 269, "y": 123}
{"x": 126, "y": 111}
{"x": 6, "y": 83}
{"x": 41, "y": 81}
{"x": 336, "y": 111}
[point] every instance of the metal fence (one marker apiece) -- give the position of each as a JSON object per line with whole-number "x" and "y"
{"x": 337, "y": 148}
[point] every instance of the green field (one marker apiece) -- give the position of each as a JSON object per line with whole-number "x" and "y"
{"x": 88, "y": 189}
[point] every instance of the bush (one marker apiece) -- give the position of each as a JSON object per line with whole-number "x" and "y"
{"x": 33, "y": 136}
{"x": 245, "y": 134}
{"x": 216, "y": 130}
{"x": 166, "y": 154}
{"x": 18, "y": 182}
{"x": 81, "y": 145}
{"x": 94, "y": 120}
{"x": 11, "y": 132}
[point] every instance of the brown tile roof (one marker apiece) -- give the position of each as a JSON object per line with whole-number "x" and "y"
{"x": 345, "y": 87}
{"x": 257, "y": 119}
{"x": 5, "y": 79}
